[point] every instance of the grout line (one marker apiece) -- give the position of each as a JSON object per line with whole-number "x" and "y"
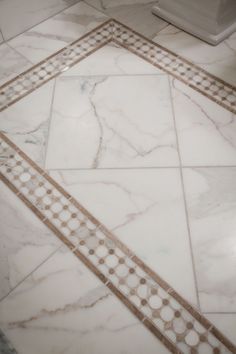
{"x": 49, "y": 123}
{"x": 101, "y": 228}
{"x": 133, "y": 168}
{"x": 110, "y": 75}
{"x": 184, "y": 197}
{"x": 95, "y": 8}
{"x": 197, "y": 314}
{"x": 15, "y": 50}
{"x": 46, "y": 19}
{"x": 104, "y": 11}
{"x": 219, "y": 313}
{"x": 156, "y": 33}
{"x": 33, "y": 271}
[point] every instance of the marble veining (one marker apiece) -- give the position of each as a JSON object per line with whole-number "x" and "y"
{"x": 11, "y": 64}
{"x": 5, "y": 345}
{"x": 41, "y": 317}
{"x": 112, "y": 60}
{"x": 199, "y": 121}
{"x": 16, "y": 17}
{"x": 218, "y": 60}
{"x": 101, "y": 127}
{"x": 134, "y": 13}
{"x": 44, "y": 39}
{"x": 27, "y": 122}
{"x": 211, "y": 200}
{"x": 144, "y": 208}
{"x": 25, "y": 241}
{"x": 1, "y": 36}
{"x": 226, "y": 322}
{"x": 116, "y": 134}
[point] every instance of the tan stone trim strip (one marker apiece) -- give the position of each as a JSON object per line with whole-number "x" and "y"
{"x": 49, "y": 68}
{"x": 197, "y": 78}
{"x": 180, "y": 68}
{"x": 147, "y": 295}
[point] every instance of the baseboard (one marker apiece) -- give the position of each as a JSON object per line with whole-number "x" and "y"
{"x": 189, "y": 27}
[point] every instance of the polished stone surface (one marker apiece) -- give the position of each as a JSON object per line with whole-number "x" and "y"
{"x": 200, "y": 121}
{"x": 219, "y": 60}
{"x": 115, "y": 132}
{"x": 11, "y": 63}
{"x": 26, "y": 122}
{"x": 211, "y": 200}
{"x": 1, "y": 37}
{"x": 144, "y": 209}
{"x": 25, "y": 241}
{"x": 136, "y": 14}
{"x": 17, "y": 16}
{"x": 41, "y": 316}
{"x": 58, "y": 31}
{"x": 109, "y": 128}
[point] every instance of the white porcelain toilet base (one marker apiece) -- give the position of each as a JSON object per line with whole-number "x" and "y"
{"x": 195, "y": 30}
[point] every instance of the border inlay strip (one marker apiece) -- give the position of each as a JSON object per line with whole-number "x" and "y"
{"x": 197, "y": 78}
{"x": 163, "y": 311}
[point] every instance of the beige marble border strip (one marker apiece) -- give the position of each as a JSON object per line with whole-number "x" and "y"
{"x": 26, "y": 179}
{"x": 62, "y": 60}
{"x": 180, "y": 68}
{"x": 166, "y": 61}
{"x": 197, "y": 78}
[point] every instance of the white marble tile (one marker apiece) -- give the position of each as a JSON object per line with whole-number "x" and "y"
{"x": 122, "y": 121}
{"x": 144, "y": 209}
{"x": 219, "y": 60}
{"x": 26, "y": 122}
{"x": 211, "y": 200}
{"x": 206, "y": 131}
{"x": 226, "y": 323}
{"x": 1, "y": 37}
{"x": 25, "y": 241}
{"x": 11, "y": 63}
{"x": 58, "y": 31}
{"x": 17, "y": 16}
{"x": 112, "y": 60}
{"x": 134, "y": 13}
{"x": 64, "y": 308}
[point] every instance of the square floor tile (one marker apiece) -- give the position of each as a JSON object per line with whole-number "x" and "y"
{"x": 113, "y": 121}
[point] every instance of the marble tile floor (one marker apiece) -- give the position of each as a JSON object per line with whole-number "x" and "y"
{"x": 54, "y": 33}
{"x": 153, "y": 160}
{"x": 17, "y": 17}
{"x": 219, "y": 60}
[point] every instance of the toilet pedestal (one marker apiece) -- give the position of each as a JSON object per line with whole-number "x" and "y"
{"x": 211, "y": 20}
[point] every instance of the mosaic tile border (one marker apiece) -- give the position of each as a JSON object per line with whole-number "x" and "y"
{"x": 164, "y": 312}
{"x": 200, "y": 80}
{"x": 175, "y": 322}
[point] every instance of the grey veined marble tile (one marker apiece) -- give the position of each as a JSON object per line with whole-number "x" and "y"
{"x": 11, "y": 63}
{"x": 25, "y": 241}
{"x": 134, "y": 13}
{"x": 107, "y": 129}
{"x": 17, "y": 16}
{"x": 1, "y": 37}
{"x": 63, "y": 308}
{"x": 219, "y": 60}
{"x": 55, "y": 33}
{"x": 5, "y": 345}
{"x": 211, "y": 200}
{"x": 26, "y": 122}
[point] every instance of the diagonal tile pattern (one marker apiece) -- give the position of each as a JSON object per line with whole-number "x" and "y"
{"x": 102, "y": 123}
{"x": 212, "y": 87}
{"x": 179, "y": 326}
{"x": 152, "y": 300}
